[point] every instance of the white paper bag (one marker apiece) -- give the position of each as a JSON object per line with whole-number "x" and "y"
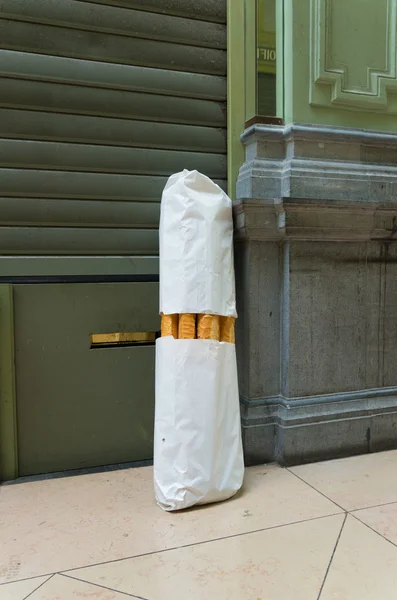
{"x": 198, "y": 455}
{"x": 196, "y": 247}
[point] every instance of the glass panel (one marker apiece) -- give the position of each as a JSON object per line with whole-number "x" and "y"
{"x": 266, "y": 58}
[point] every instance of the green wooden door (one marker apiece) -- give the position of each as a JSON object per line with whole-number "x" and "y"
{"x": 80, "y": 406}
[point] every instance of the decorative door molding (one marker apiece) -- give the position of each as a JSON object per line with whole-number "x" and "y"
{"x": 353, "y": 54}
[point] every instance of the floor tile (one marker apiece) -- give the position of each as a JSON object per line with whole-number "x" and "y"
{"x": 382, "y": 519}
{"x": 357, "y": 482}
{"x": 286, "y": 562}
{"x": 364, "y": 566}
{"x": 20, "y": 589}
{"x": 55, "y": 525}
{"x": 65, "y": 588}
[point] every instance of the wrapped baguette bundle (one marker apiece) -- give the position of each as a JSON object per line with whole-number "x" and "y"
{"x": 198, "y": 454}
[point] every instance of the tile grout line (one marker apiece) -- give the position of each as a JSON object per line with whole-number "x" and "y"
{"x": 373, "y": 530}
{"x": 315, "y": 489}
{"x": 66, "y": 575}
{"x": 331, "y": 559}
{"x": 26, "y": 579}
{"x": 104, "y": 587}
{"x": 352, "y": 511}
{"x": 373, "y": 506}
{"x": 333, "y": 501}
{"x": 131, "y": 557}
{"x": 219, "y": 539}
{"x": 38, "y": 587}
{"x": 227, "y": 537}
{"x": 49, "y": 575}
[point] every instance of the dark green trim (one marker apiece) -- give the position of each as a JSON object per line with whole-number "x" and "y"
{"x": 251, "y": 42}
{"x": 8, "y": 419}
{"x": 280, "y": 96}
{"x": 57, "y": 279}
{"x": 241, "y": 81}
{"x": 235, "y": 93}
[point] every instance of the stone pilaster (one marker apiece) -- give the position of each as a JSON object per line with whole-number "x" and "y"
{"x": 316, "y": 264}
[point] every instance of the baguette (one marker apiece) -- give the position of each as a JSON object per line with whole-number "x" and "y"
{"x": 208, "y": 327}
{"x": 227, "y": 330}
{"x": 187, "y": 326}
{"x": 169, "y": 326}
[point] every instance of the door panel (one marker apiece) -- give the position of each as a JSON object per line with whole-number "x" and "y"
{"x": 79, "y": 407}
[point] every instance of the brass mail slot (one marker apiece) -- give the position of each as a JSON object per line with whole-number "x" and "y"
{"x": 99, "y": 340}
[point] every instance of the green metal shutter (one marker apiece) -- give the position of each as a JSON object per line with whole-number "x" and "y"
{"x": 99, "y": 103}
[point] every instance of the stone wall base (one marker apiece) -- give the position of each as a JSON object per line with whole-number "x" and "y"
{"x": 312, "y": 429}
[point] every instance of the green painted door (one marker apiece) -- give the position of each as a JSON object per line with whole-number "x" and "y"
{"x": 80, "y": 406}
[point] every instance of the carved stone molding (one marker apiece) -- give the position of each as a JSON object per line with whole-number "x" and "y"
{"x": 304, "y": 430}
{"x": 353, "y": 54}
{"x": 314, "y": 183}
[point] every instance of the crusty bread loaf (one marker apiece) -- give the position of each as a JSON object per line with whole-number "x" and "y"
{"x": 169, "y": 325}
{"x": 208, "y": 327}
{"x": 187, "y": 326}
{"x": 227, "y": 329}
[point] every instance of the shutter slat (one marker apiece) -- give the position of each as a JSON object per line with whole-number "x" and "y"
{"x": 28, "y": 124}
{"x": 118, "y": 21}
{"x": 60, "y": 41}
{"x": 86, "y": 73}
{"x": 43, "y": 241}
{"x": 110, "y": 103}
{"x": 97, "y": 186}
{"x": 78, "y": 213}
{"x": 107, "y": 159}
{"x": 206, "y": 10}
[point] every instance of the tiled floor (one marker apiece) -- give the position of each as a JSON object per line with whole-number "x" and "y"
{"x": 326, "y": 531}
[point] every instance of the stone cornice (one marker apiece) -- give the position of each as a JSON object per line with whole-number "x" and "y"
{"x": 315, "y": 183}
{"x": 317, "y": 132}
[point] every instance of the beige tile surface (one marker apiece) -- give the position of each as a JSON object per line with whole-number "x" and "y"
{"x": 20, "y": 589}
{"x": 64, "y": 588}
{"x": 364, "y": 566}
{"x": 283, "y": 563}
{"x": 382, "y": 519}
{"x": 357, "y": 482}
{"x": 59, "y": 524}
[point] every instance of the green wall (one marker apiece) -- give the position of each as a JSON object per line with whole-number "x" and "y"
{"x": 338, "y": 62}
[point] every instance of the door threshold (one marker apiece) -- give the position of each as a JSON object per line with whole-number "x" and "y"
{"x": 76, "y": 472}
